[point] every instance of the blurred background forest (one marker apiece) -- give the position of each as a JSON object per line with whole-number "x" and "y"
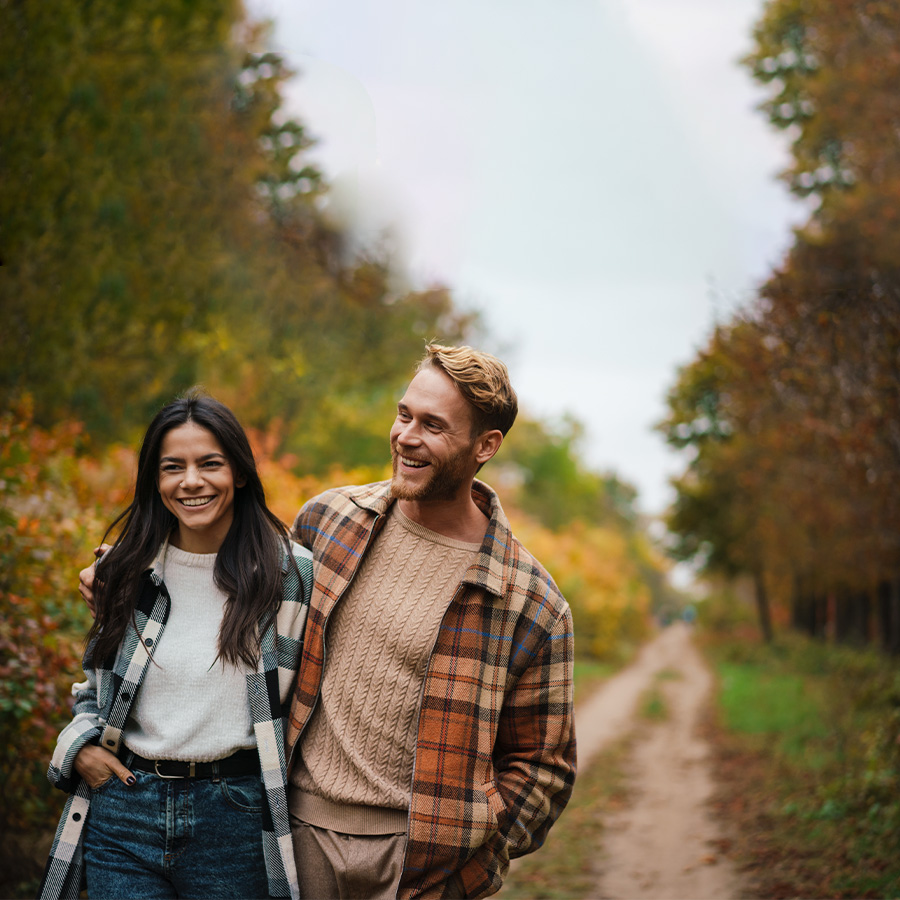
{"x": 162, "y": 227}
{"x": 790, "y": 415}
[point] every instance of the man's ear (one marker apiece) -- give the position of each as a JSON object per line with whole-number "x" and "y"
{"x": 486, "y": 445}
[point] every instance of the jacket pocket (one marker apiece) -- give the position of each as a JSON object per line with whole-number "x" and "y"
{"x": 495, "y": 800}
{"x": 489, "y": 809}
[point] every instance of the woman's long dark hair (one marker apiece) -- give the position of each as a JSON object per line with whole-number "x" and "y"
{"x": 248, "y": 564}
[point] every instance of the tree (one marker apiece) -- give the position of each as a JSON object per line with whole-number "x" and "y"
{"x": 162, "y": 227}
{"x": 122, "y": 194}
{"x": 804, "y": 479}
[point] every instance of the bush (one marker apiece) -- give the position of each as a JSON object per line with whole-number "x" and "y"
{"x": 49, "y": 514}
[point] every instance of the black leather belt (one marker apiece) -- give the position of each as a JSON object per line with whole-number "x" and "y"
{"x": 243, "y": 762}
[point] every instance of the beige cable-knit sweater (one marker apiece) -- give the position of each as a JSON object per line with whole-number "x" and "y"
{"x": 357, "y": 751}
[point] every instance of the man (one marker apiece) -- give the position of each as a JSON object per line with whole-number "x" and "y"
{"x": 431, "y": 736}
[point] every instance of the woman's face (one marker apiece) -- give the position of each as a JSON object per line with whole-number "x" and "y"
{"x": 197, "y": 485}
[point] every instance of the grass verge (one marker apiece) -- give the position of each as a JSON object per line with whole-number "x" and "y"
{"x": 807, "y": 755}
{"x": 652, "y": 704}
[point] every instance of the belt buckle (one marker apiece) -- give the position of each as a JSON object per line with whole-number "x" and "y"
{"x": 190, "y": 774}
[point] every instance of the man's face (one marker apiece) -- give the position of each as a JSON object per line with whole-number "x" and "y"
{"x": 432, "y": 447}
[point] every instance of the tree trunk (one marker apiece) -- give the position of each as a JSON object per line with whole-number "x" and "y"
{"x": 820, "y": 616}
{"x": 762, "y": 606}
{"x": 889, "y": 615}
{"x": 843, "y": 616}
{"x": 894, "y": 645}
{"x": 803, "y": 608}
{"x": 862, "y": 618}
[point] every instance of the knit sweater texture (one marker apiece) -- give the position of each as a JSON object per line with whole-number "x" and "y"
{"x": 358, "y": 749}
{"x": 191, "y": 706}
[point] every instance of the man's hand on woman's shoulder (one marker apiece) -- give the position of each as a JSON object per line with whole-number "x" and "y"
{"x": 86, "y": 579}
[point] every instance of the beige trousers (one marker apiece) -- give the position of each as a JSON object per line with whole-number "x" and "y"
{"x": 335, "y": 866}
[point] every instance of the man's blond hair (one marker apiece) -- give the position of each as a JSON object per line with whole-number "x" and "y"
{"x": 482, "y": 379}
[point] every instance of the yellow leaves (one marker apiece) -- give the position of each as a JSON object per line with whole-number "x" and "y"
{"x": 595, "y": 569}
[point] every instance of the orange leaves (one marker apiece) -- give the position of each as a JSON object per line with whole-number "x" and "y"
{"x": 50, "y": 517}
{"x": 286, "y": 491}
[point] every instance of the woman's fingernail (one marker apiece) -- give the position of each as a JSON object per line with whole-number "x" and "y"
{"x": 130, "y": 779}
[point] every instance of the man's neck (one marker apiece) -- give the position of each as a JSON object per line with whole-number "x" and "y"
{"x": 459, "y": 518}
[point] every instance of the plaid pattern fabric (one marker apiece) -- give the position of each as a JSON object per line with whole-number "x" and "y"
{"x": 102, "y": 703}
{"x": 495, "y": 747}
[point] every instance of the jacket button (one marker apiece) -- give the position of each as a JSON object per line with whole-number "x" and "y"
{"x": 111, "y": 742}
{"x": 149, "y": 642}
{"x": 126, "y": 696}
{"x": 76, "y": 817}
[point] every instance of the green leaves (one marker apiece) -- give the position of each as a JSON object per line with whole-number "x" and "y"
{"x": 162, "y": 226}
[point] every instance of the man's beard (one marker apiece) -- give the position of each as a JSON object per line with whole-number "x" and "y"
{"x": 445, "y": 479}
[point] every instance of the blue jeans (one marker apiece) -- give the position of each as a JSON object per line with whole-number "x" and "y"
{"x": 185, "y": 837}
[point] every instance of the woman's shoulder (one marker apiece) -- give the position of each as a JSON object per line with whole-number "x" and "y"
{"x": 298, "y": 573}
{"x": 297, "y": 591}
{"x": 300, "y": 554}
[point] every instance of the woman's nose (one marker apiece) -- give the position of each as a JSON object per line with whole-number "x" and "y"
{"x": 192, "y": 476}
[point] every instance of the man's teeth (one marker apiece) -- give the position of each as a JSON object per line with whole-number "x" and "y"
{"x": 199, "y": 501}
{"x": 415, "y": 463}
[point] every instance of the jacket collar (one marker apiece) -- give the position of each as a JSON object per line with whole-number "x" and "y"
{"x": 158, "y": 566}
{"x": 489, "y": 571}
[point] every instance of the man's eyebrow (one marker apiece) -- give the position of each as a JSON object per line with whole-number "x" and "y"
{"x": 431, "y": 416}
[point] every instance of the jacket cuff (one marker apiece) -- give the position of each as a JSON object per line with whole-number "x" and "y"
{"x": 61, "y": 772}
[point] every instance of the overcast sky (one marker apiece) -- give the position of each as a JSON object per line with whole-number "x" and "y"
{"x": 592, "y": 176}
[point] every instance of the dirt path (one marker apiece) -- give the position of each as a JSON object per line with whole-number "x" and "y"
{"x": 664, "y": 846}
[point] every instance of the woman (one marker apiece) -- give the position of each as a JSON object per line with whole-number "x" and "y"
{"x": 175, "y": 756}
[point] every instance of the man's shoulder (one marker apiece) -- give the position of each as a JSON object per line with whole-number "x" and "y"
{"x": 509, "y": 568}
{"x": 358, "y": 495}
{"x": 526, "y": 574}
{"x": 342, "y": 505}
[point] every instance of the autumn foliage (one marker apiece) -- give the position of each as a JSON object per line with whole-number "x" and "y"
{"x": 162, "y": 227}
{"x": 791, "y": 412}
{"x": 52, "y": 504}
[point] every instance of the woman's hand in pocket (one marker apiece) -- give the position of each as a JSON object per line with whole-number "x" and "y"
{"x": 96, "y": 766}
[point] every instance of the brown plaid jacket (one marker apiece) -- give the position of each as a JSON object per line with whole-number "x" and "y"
{"x": 495, "y": 750}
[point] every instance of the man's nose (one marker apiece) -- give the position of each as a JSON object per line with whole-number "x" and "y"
{"x": 409, "y": 434}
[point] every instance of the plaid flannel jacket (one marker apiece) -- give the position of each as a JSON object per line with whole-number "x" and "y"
{"x": 495, "y": 749}
{"x": 102, "y": 703}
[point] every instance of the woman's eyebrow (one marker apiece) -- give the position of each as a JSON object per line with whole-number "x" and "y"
{"x": 213, "y": 455}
